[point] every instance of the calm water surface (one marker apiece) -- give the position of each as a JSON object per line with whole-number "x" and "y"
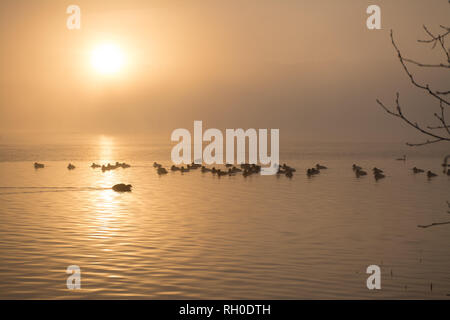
{"x": 196, "y": 236}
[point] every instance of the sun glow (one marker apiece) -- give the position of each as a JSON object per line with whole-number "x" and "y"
{"x": 107, "y": 59}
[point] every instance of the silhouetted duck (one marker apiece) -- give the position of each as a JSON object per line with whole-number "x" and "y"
{"x": 94, "y": 165}
{"x": 379, "y": 176}
{"x": 124, "y": 165}
{"x": 431, "y": 174}
{"x": 320, "y": 167}
{"x": 174, "y": 168}
{"x": 161, "y": 170}
{"x": 70, "y": 166}
{"x": 221, "y": 173}
{"x": 360, "y": 172}
{"x": 286, "y": 168}
{"x": 194, "y": 166}
{"x": 231, "y": 172}
{"x": 183, "y": 169}
{"x": 312, "y": 171}
{"x": 38, "y": 165}
{"x": 228, "y": 165}
{"x": 417, "y": 170}
{"x": 156, "y": 165}
{"x": 377, "y": 170}
{"x": 122, "y": 187}
{"x": 205, "y": 169}
{"x": 235, "y": 169}
{"x": 355, "y": 167}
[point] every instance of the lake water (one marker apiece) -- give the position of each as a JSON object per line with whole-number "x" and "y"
{"x": 197, "y": 236}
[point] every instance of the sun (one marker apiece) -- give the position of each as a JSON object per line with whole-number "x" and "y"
{"x": 107, "y": 58}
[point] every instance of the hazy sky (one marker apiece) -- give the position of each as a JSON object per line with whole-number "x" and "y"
{"x": 310, "y": 68}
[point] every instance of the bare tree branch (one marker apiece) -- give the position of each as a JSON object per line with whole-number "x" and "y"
{"x": 434, "y": 136}
{"x": 426, "y": 87}
{"x": 399, "y": 113}
{"x": 439, "y": 38}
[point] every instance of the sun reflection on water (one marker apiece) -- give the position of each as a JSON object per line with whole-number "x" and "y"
{"x": 106, "y": 148}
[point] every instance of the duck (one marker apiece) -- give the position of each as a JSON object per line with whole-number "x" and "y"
{"x": 156, "y": 165}
{"x": 255, "y": 168}
{"x": 183, "y": 169}
{"x": 161, "y": 170}
{"x": 287, "y": 168}
{"x": 402, "y": 159}
{"x": 312, "y": 171}
{"x": 417, "y": 170}
{"x": 355, "y": 167}
{"x": 320, "y": 167}
{"x": 289, "y": 174}
{"x": 121, "y": 187}
{"x": 360, "y": 173}
{"x": 235, "y": 169}
{"x": 228, "y": 165}
{"x": 431, "y": 174}
{"x": 231, "y": 172}
{"x": 71, "y": 166}
{"x": 38, "y": 165}
{"x": 379, "y": 176}
{"x": 221, "y": 173}
{"x": 174, "y": 168}
{"x": 377, "y": 170}
{"x": 124, "y": 165}
{"x": 94, "y": 165}
{"x": 194, "y": 166}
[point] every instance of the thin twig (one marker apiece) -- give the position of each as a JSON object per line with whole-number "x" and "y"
{"x": 399, "y": 113}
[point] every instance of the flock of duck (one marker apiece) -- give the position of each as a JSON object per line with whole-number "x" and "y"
{"x": 377, "y": 173}
{"x": 121, "y": 187}
{"x": 245, "y": 169}
{"x": 93, "y": 166}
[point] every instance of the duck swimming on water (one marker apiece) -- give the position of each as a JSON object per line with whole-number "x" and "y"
{"x": 377, "y": 170}
{"x": 431, "y": 174}
{"x": 417, "y": 170}
{"x": 121, "y": 187}
{"x": 156, "y": 165}
{"x": 161, "y": 170}
{"x": 379, "y": 176}
{"x": 71, "y": 166}
{"x": 360, "y": 173}
{"x": 38, "y": 165}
